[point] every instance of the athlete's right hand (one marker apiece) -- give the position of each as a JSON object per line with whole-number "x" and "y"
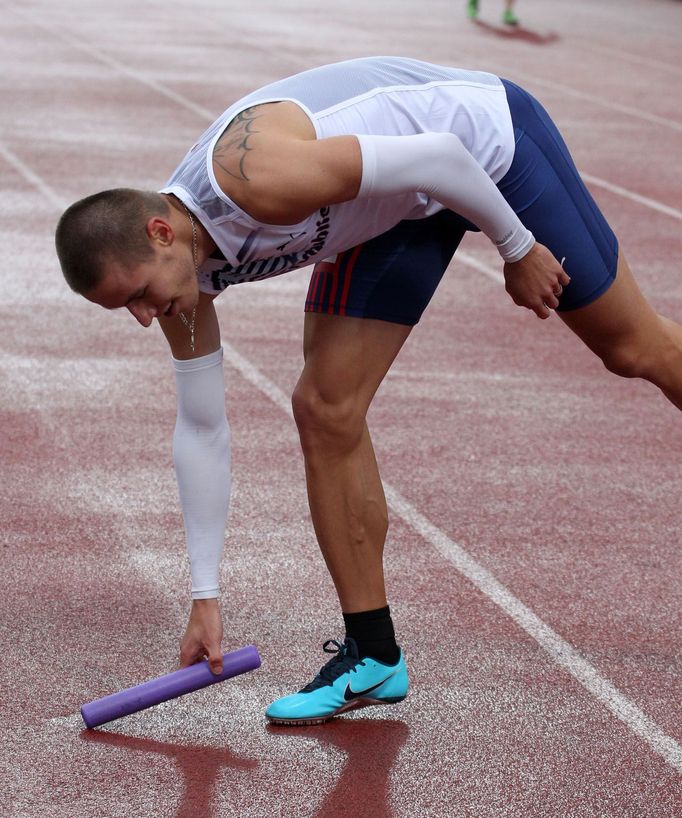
{"x": 536, "y": 281}
{"x": 204, "y": 635}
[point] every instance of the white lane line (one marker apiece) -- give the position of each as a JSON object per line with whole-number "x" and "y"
{"x": 96, "y": 54}
{"x": 205, "y": 114}
{"x": 32, "y": 178}
{"x": 626, "y": 56}
{"x": 475, "y": 264}
{"x": 553, "y": 644}
{"x": 602, "y": 103}
{"x": 511, "y": 72}
{"x": 557, "y": 647}
{"x": 634, "y": 197}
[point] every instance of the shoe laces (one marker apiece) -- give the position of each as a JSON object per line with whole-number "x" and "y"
{"x": 345, "y": 660}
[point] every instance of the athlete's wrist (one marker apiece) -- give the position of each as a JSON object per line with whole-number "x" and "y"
{"x": 517, "y": 246}
{"x": 201, "y": 598}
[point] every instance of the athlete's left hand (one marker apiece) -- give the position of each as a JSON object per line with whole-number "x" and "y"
{"x": 203, "y": 636}
{"x": 536, "y": 281}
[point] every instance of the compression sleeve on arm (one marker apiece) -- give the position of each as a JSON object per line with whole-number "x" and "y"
{"x": 201, "y": 453}
{"x": 439, "y": 165}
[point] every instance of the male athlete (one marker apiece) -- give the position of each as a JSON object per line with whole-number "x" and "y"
{"x": 373, "y": 170}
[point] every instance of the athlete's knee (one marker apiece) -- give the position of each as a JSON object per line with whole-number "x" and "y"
{"x": 626, "y": 360}
{"x": 335, "y": 424}
{"x": 642, "y": 356}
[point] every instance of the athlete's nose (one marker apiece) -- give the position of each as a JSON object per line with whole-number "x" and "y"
{"x": 145, "y": 314}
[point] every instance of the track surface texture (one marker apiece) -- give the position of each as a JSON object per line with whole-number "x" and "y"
{"x": 533, "y": 558}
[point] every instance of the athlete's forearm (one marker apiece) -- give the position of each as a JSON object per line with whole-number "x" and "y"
{"x": 201, "y": 453}
{"x": 439, "y": 165}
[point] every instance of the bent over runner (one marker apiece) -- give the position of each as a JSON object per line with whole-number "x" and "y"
{"x": 372, "y": 170}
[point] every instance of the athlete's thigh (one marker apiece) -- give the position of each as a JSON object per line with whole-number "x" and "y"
{"x": 363, "y": 303}
{"x": 206, "y": 331}
{"x": 347, "y": 358}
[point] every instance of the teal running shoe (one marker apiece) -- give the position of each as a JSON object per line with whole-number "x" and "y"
{"x": 472, "y": 9}
{"x": 346, "y": 682}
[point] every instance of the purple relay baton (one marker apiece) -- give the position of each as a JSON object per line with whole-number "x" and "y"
{"x": 169, "y": 686}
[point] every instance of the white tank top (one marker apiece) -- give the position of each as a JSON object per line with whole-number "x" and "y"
{"x": 390, "y": 96}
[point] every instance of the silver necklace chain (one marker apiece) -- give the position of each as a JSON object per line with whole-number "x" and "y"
{"x": 190, "y": 324}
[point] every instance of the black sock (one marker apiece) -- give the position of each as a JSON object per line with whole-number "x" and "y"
{"x": 373, "y": 632}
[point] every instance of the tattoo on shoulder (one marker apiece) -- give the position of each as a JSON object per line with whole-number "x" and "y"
{"x": 233, "y": 146}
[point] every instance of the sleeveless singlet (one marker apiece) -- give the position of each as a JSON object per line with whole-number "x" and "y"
{"x": 378, "y": 95}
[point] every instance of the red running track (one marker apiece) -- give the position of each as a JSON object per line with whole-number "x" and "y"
{"x": 533, "y": 560}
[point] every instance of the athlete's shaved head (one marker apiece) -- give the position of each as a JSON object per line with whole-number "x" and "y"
{"x": 110, "y": 225}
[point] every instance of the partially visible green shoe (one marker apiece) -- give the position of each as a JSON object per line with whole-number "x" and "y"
{"x": 509, "y": 18}
{"x": 344, "y": 683}
{"x": 472, "y": 9}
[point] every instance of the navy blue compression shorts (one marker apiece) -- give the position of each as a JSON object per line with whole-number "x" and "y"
{"x": 393, "y": 277}
{"x": 546, "y": 191}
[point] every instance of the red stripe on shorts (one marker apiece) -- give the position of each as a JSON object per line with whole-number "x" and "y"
{"x": 317, "y": 284}
{"x": 347, "y": 278}
{"x": 334, "y": 271}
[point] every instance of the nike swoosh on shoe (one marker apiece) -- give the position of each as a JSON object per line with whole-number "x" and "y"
{"x": 349, "y": 694}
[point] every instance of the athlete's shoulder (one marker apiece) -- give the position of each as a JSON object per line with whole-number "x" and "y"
{"x": 270, "y": 163}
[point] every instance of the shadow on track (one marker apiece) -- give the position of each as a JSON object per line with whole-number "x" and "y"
{"x": 199, "y": 766}
{"x": 517, "y": 33}
{"x": 371, "y": 749}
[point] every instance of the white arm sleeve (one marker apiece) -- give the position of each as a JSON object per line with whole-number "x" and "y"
{"x": 439, "y": 165}
{"x": 201, "y": 453}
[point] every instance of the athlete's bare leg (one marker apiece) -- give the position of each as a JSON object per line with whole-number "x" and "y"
{"x": 345, "y": 361}
{"x": 624, "y": 330}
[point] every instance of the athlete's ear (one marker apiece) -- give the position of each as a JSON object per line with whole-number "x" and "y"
{"x": 159, "y": 230}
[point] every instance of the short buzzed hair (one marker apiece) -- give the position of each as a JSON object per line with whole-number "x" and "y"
{"x": 104, "y": 226}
